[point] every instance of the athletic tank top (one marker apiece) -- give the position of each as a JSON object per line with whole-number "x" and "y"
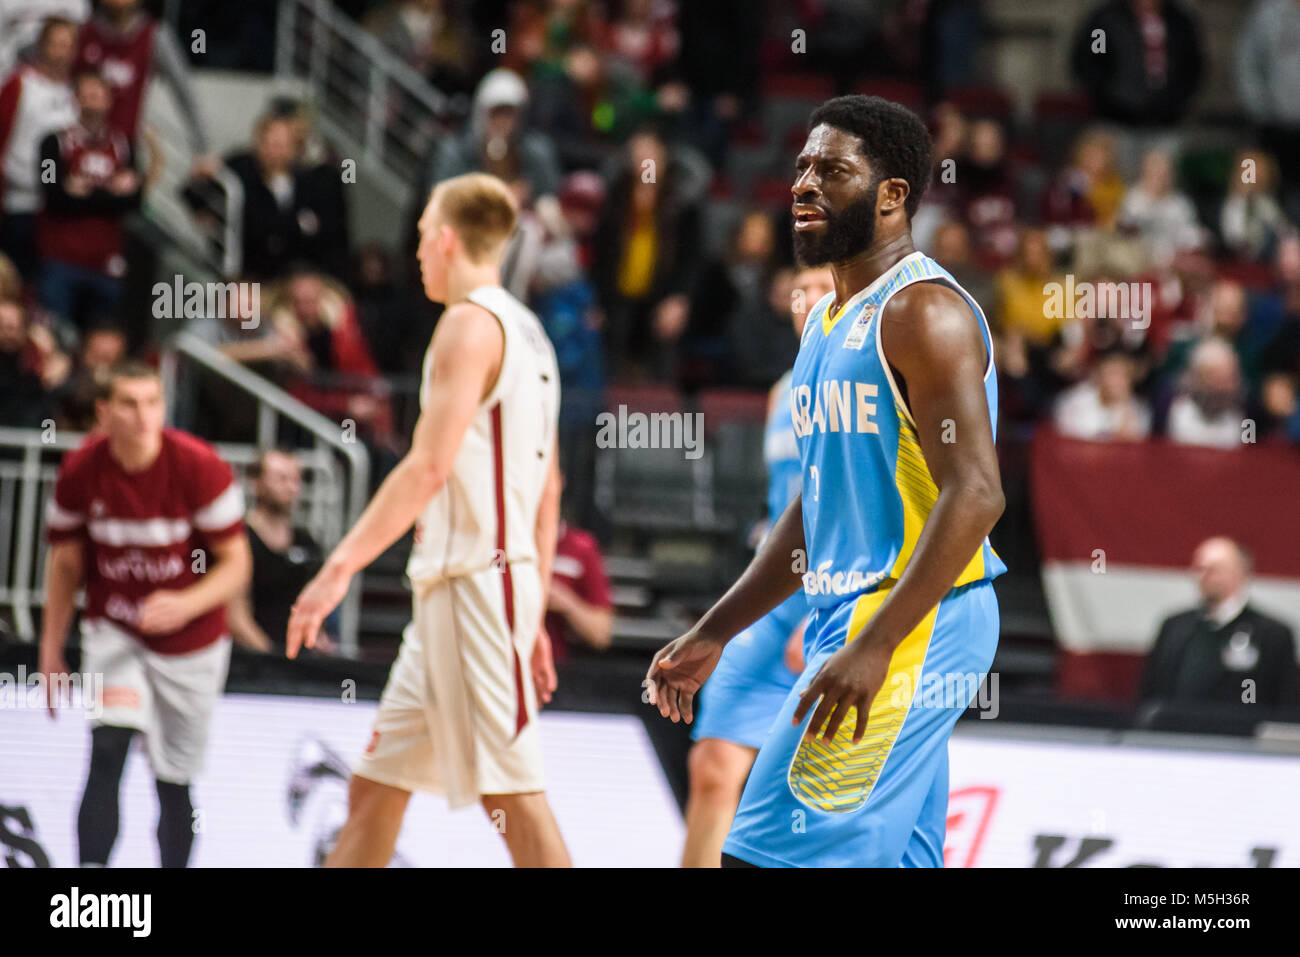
{"x": 867, "y": 489}
{"x": 486, "y": 514}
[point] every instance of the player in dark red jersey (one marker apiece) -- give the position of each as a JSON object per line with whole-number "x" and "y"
{"x": 150, "y": 520}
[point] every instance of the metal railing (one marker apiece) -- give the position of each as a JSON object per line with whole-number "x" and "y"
{"x": 363, "y": 94}
{"x": 328, "y": 518}
{"x": 29, "y": 466}
{"x": 218, "y": 242}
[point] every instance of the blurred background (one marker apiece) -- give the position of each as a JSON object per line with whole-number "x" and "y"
{"x": 1149, "y": 442}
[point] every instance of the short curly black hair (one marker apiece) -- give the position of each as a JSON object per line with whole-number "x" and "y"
{"x": 894, "y": 140}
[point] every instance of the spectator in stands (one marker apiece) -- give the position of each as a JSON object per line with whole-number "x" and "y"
{"x": 1268, "y": 83}
{"x": 579, "y": 608}
{"x": 1271, "y": 309}
{"x": 79, "y": 231}
{"x": 339, "y": 377}
{"x": 1282, "y": 352}
{"x": 31, "y": 368}
{"x": 1208, "y": 409}
{"x": 715, "y": 78}
{"x": 497, "y": 141}
{"x": 224, "y": 412}
{"x": 292, "y": 214}
{"x": 1104, "y": 406}
{"x": 35, "y": 100}
{"x": 643, "y": 34}
{"x": 1142, "y": 69}
{"x": 22, "y": 22}
{"x": 1250, "y": 220}
{"x": 545, "y": 32}
{"x": 1086, "y": 194}
{"x": 101, "y": 348}
{"x": 1223, "y": 317}
{"x": 987, "y": 200}
{"x": 430, "y": 36}
{"x": 565, "y": 301}
{"x": 320, "y": 186}
{"x": 942, "y": 201}
{"x": 759, "y": 350}
{"x": 952, "y": 249}
{"x": 128, "y": 47}
{"x": 1158, "y": 212}
{"x": 646, "y": 251}
{"x": 395, "y": 333}
{"x": 1278, "y": 414}
{"x": 285, "y": 557}
{"x": 588, "y": 106}
{"x": 730, "y": 291}
{"x": 1021, "y": 292}
{"x": 1182, "y": 299}
{"x": 1225, "y": 652}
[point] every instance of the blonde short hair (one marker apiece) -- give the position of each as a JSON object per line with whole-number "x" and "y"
{"x": 480, "y": 209}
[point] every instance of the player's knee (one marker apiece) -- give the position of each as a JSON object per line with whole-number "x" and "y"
{"x": 367, "y": 797}
{"x": 498, "y": 806}
{"x": 717, "y": 769}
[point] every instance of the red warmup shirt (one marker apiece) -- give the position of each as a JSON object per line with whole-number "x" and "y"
{"x": 141, "y": 529}
{"x": 91, "y": 236}
{"x": 577, "y": 564}
{"x": 125, "y": 62}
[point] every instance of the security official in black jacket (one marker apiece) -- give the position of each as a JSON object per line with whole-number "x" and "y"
{"x": 1226, "y": 654}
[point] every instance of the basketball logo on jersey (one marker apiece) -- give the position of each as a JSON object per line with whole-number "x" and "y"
{"x": 858, "y": 334}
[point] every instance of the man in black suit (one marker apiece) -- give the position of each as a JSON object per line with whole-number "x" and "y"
{"x": 1224, "y": 653}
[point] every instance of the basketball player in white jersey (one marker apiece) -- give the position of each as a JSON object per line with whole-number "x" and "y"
{"x": 458, "y": 716}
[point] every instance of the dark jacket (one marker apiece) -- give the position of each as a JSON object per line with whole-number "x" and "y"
{"x": 1117, "y": 80}
{"x": 1194, "y": 661}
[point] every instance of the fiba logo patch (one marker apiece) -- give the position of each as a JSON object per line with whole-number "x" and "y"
{"x": 373, "y": 743}
{"x": 858, "y": 334}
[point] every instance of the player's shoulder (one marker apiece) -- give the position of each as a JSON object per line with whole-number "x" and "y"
{"x": 935, "y": 296}
{"x": 191, "y": 453}
{"x": 84, "y": 461}
{"x": 467, "y": 328}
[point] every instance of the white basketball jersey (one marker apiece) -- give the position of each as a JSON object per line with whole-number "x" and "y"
{"x": 486, "y": 514}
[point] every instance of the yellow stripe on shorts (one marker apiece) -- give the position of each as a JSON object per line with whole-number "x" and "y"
{"x": 839, "y": 776}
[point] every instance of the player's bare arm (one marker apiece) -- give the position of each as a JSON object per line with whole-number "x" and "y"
{"x": 933, "y": 342}
{"x": 468, "y": 347}
{"x": 64, "y": 571}
{"x": 547, "y": 532}
{"x": 230, "y": 565}
{"x": 681, "y": 667}
{"x": 243, "y": 627}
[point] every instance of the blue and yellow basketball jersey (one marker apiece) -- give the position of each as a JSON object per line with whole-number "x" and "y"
{"x": 867, "y": 489}
{"x": 780, "y": 453}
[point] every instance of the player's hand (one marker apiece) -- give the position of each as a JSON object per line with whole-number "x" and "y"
{"x": 678, "y": 671}
{"x": 51, "y": 664}
{"x": 163, "y": 612}
{"x": 543, "y": 667}
{"x": 850, "y": 678}
{"x": 321, "y": 596}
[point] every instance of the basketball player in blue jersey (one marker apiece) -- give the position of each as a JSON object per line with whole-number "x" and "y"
{"x": 893, "y": 403}
{"x": 759, "y": 667}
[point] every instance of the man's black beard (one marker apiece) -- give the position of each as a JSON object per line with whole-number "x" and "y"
{"x": 845, "y": 234}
